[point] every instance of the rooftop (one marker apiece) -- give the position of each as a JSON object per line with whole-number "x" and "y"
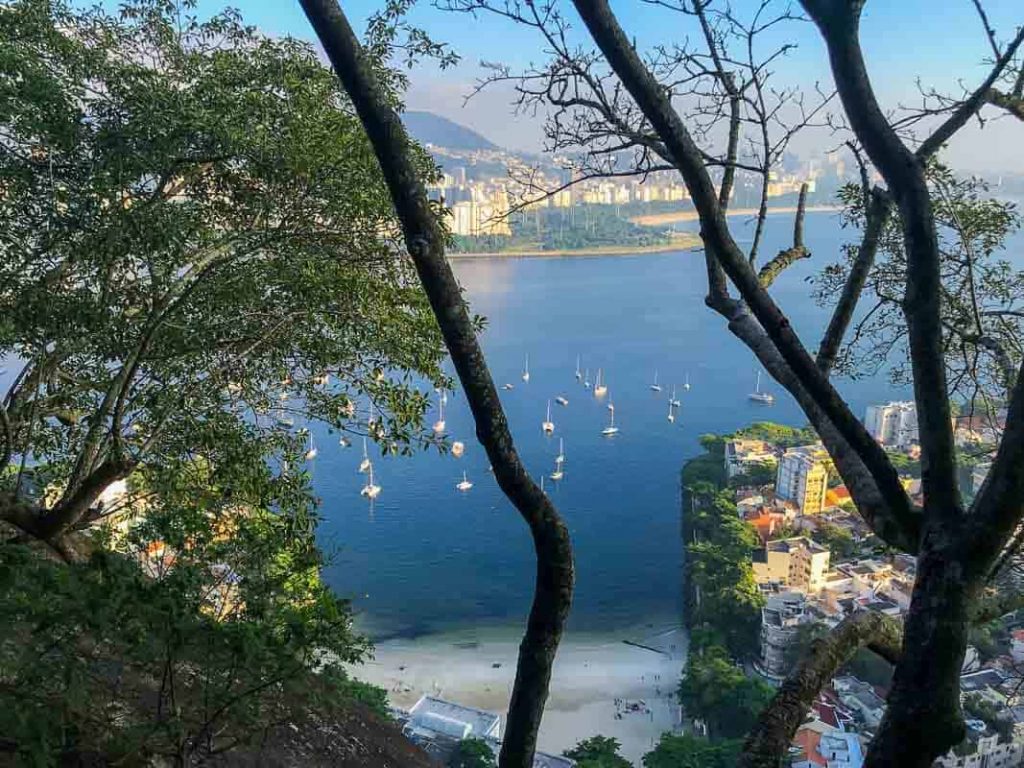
{"x": 983, "y": 678}
{"x": 799, "y": 542}
{"x": 451, "y": 719}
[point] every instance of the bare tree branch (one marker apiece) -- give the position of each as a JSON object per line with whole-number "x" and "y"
{"x": 877, "y": 215}
{"x": 652, "y": 99}
{"x": 904, "y": 172}
{"x": 768, "y": 743}
{"x": 797, "y": 251}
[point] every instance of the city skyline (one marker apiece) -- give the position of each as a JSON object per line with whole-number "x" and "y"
{"x": 903, "y": 42}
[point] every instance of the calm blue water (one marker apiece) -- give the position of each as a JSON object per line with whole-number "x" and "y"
{"x": 427, "y": 558}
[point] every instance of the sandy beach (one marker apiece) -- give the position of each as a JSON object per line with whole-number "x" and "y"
{"x": 602, "y": 684}
{"x": 657, "y": 219}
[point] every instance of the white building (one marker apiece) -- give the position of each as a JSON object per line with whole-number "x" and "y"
{"x": 431, "y": 717}
{"x": 742, "y": 454}
{"x": 893, "y": 424}
{"x": 798, "y": 563}
{"x": 802, "y": 478}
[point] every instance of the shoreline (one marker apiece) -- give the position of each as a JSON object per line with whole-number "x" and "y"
{"x": 656, "y": 219}
{"x": 594, "y": 674}
{"x": 682, "y": 242}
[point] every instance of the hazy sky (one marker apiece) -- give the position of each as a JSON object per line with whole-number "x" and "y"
{"x": 939, "y": 41}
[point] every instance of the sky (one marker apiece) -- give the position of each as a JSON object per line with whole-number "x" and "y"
{"x": 940, "y": 42}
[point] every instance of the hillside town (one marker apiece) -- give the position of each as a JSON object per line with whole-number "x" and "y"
{"x": 817, "y": 563}
{"x": 481, "y": 186}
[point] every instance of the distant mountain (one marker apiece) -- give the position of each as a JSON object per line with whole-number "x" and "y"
{"x": 428, "y": 128}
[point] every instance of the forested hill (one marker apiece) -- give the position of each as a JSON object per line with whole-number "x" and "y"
{"x": 428, "y": 128}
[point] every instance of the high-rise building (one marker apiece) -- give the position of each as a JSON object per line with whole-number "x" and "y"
{"x": 781, "y": 618}
{"x": 892, "y": 424}
{"x": 798, "y": 563}
{"x": 802, "y": 478}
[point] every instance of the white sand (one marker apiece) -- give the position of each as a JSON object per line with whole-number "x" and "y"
{"x": 591, "y": 672}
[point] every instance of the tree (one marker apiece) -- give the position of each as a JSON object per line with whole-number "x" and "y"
{"x": 598, "y": 752}
{"x": 198, "y": 249}
{"x": 471, "y": 753}
{"x": 685, "y": 108}
{"x": 207, "y": 646}
{"x": 425, "y": 240}
{"x": 685, "y": 751}
{"x": 715, "y": 690}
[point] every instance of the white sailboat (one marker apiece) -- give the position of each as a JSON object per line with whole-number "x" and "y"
{"x": 767, "y": 398}
{"x": 671, "y": 412}
{"x": 371, "y": 490}
{"x": 611, "y": 405}
{"x": 611, "y": 429}
{"x": 686, "y": 386}
{"x": 465, "y": 485}
{"x": 586, "y": 378}
{"x": 673, "y": 401}
{"x": 526, "y": 369}
{"x": 364, "y": 465}
{"x": 548, "y": 425}
{"x": 458, "y": 448}
{"x": 439, "y": 424}
{"x": 311, "y": 451}
{"x": 579, "y": 373}
{"x": 558, "y": 474}
{"x": 600, "y": 389}
{"x": 561, "y": 451}
{"x": 656, "y": 387}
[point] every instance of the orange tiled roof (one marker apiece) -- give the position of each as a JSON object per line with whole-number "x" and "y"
{"x": 808, "y": 741}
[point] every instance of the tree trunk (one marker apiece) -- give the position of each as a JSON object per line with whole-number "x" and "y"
{"x": 923, "y": 719}
{"x": 425, "y": 241}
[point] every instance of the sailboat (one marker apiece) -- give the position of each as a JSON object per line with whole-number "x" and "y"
{"x": 561, "y": 451}
{"x": 558, "y": 474}
{"x": 673, "y": 401}
{"x": 579, "y": 373}
{"x": 586, "y": 378}
{"x": 365, "y": 465}
{"x": 671, "y": 412}
{"x": 526, "y": 369}
{"x": 686, "y": 386}
{"x": 311, "y": 451}
{"x": 439, "y": 424}
{"x": 371, "y": 490}
{"x": 458, "y": 448}
{"x": 344, "y": 442}
{"x": 611, "y": 405}
{"x": 599, "y": 388}
{"x": 611, "y": 429}
{"x": 656, "y": 387}
{"x": 548, "y": 425}
{"x": 767, "y": 398}
{"x": 465, "y": 485}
